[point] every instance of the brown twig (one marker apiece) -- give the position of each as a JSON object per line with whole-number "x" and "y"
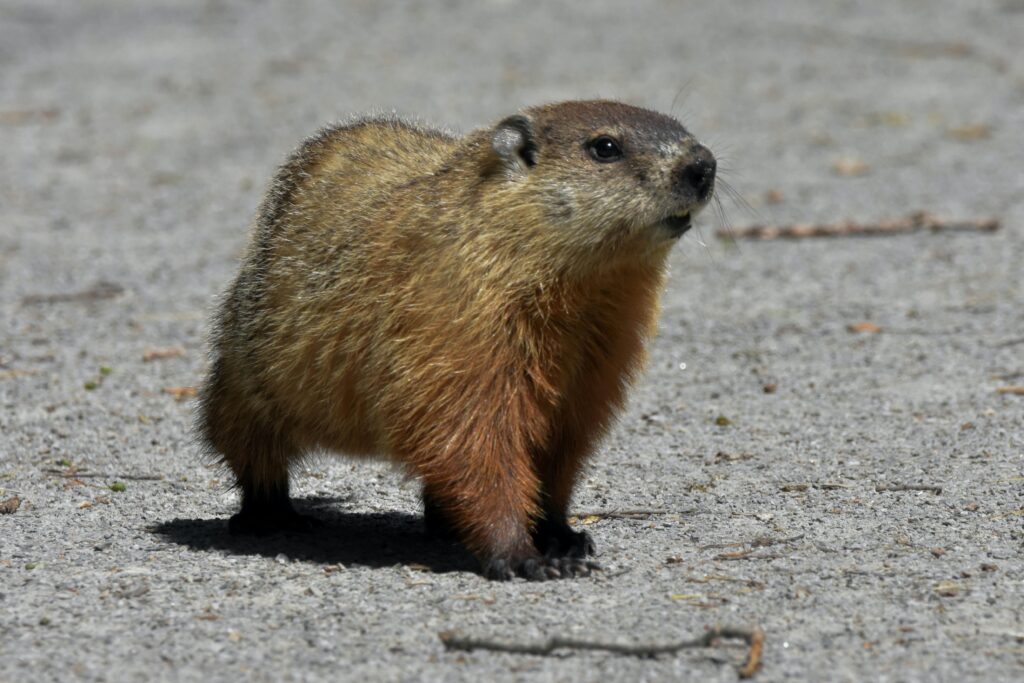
{"x": 708, "y": 578}
{"x": 746, "y": 555}
{"x": 181, "y": 393}
{"x": 1007, "y": 376}
{"x": 823, "y": 485}
{"x": 753, "y": 662}
{"x": 920, "y": 220}
{"x": 100, "y": 290}
{"x": 11, "y": 374}
{"x": 150, "y": 355}
{"x": 765, "y": 541}
{"x": 908, "y": 487}
{"x": 759, "y": 542}
{"x": 74, "y": 474}
{"x": 754, "y": 637}
{"x": 626, "y": 514}
{"x": 17, "y": 117}
{"x": 1016, "y": 390}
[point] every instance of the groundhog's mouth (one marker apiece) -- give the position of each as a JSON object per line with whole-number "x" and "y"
{"x": 679, "y": 224}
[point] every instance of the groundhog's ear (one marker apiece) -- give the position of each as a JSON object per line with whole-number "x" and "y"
{"x": 514, "y": 143}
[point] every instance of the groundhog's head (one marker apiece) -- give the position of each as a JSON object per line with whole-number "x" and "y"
{"x": 605, "y": 172}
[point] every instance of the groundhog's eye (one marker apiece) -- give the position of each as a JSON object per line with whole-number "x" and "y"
{"x": 604, "y": 149}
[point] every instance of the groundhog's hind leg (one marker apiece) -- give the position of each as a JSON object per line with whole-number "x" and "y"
{"x": 258, "y": 453}
{"x": 261, "y": 472}
{"x": 265, "y": 511}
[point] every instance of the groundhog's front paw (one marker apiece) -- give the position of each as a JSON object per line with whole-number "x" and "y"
{"x": 557, "y": 539}
{"x": 539, "y": 568}
{"x": 575, "y": 544}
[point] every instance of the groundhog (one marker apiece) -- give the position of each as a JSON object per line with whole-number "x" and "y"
{"x": 472, "y": 308}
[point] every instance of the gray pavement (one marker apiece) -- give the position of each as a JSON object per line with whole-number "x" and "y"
{"x": 137, "y": 138}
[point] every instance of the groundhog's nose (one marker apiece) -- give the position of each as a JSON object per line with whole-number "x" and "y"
{"x": 697, "y": 174}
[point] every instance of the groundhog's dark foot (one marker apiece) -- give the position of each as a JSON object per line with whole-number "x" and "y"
{"x": 555, "y": 538}
{"x": 263, "y": 514}
{"x": 539, "y": 568}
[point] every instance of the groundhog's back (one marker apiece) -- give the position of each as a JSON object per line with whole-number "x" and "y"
{"x": 339, "y": 182}
{"x": 305, "y": 326}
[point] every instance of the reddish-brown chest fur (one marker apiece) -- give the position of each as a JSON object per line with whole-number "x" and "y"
{"x": 594, "y": 349}
{"x": 528, "y": 397}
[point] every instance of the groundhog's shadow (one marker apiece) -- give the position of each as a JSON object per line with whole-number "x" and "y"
{"x": 370, "y": 539}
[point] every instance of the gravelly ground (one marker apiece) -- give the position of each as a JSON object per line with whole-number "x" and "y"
{"x": 137, "y": 139}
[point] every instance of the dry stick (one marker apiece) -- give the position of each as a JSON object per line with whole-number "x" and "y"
{"x": 1012, "y": 389}
{"x": 16, "y": 372}
{"x": 708, "y": 578}
{"x": 102, "y": 475}
{"x": 100, "y": 290}
{"x": 759, "y": 542}
{"x": 908, "y": 487}
{"x": 763, "y": 541}
{"x": 920, "y": 220}
{"x": 753, "y": 637}
{"x": 1007, "y": 376}
{"x": 823, "y": 485}
{"x": 626, "y": 514}
{"x": 747, "y": 555}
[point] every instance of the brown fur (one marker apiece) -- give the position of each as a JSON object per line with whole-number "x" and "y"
{"x": 473, "y": 314}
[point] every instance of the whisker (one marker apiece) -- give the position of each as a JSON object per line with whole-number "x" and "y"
{"x": 738, "y": 198}
{"x": 718, "y": 209}
{"x": 731, "y": 170}
{"x": 699, "y": 239}
{"x": 723, "y": 220}
{"x": 683, "y": 88}
{"x": 721, "y": 150}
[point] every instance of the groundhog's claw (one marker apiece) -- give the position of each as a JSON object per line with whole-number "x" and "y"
{"x": 556, "y": 539}
{"x": 576, "y": 567}
{"x": 499, "y": 570}
{"x": 540, "y": 568}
